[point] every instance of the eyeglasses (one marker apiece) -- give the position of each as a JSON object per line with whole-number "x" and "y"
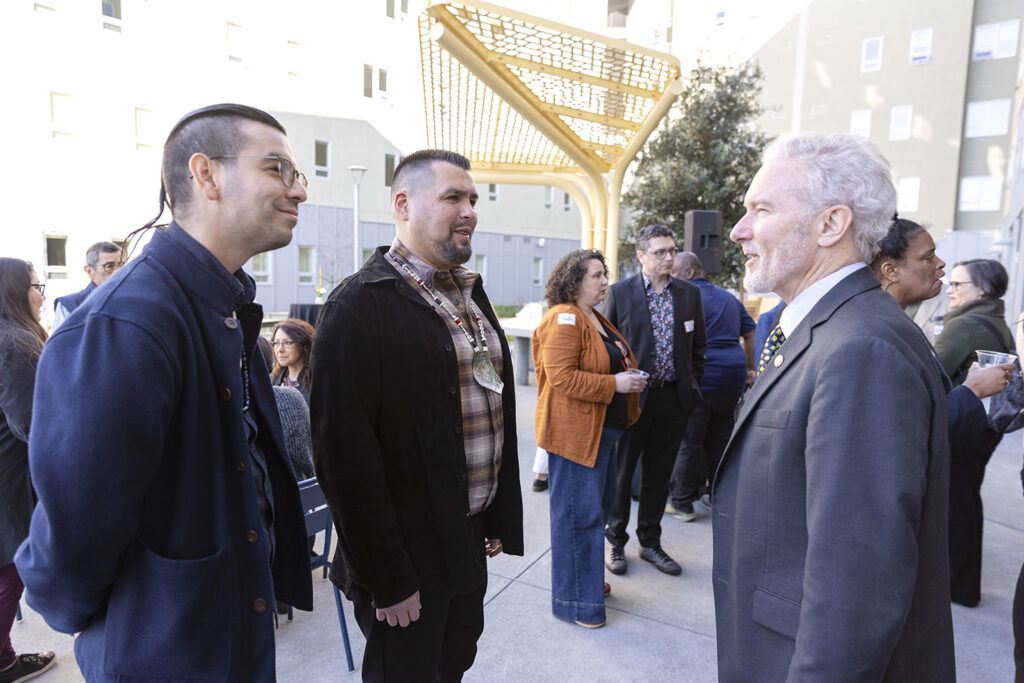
{"x": 40, "y": 287}
{"x": 957, "y": 285}
{"x": 286, "y": 343}
{"x": 662, "y": 253}
{"x": 285, "y": 168}
{"x": 109, "y": 267}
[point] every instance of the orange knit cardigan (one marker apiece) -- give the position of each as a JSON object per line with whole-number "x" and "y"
{"x": 574, "y": 386}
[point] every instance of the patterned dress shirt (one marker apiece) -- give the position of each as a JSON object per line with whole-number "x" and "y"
{"x": 483, "y": 432}
{"x": 662, "y": 321}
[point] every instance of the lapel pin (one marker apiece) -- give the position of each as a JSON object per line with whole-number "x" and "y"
{"x": 779, "y": 360}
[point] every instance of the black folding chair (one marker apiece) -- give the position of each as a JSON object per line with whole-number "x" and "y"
{"x": 318, "y": 518}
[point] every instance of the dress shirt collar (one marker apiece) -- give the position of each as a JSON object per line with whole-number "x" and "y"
{"x": 647, "y": 283}
{"x": 797, "y": 309}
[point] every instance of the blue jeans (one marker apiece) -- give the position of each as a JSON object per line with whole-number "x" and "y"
{"x": 580, "y": 499}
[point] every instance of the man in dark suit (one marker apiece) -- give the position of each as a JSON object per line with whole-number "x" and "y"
{"x": 830, "y": 558}
{"x": 663, "y": 320}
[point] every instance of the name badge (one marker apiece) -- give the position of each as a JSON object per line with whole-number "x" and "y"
{"x": 688, "y": 325}
{"x": 566, "y": 318}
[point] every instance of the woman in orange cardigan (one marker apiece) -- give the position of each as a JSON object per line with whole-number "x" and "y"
{"x": 587, "y": 396}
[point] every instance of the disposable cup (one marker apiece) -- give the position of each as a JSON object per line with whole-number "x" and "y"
{"x": 987, "y": 359}
{"x": 638, "y": 371}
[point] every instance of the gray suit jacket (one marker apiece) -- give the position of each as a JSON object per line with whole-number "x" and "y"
{"x": 626, "y": 309}
{"x": 830, "y": 505}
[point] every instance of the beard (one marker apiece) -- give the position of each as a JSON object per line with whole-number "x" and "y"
{"x": 774, "y": 267}
{"x": 451, "y": 253}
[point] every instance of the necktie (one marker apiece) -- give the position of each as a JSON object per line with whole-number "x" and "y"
{"x": 772, "y": 345}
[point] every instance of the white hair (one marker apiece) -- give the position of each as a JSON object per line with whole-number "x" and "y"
{"x": 848, "y": 170}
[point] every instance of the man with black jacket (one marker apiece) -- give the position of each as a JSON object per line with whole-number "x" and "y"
{"x": 414, "y": 439}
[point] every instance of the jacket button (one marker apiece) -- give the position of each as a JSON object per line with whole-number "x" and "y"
{"x": 259, "y": 605}
{"x": 447, "y": 347}
{"x": 252, "y": 536}
{"x": 452, "y": 390}
{"x": 230, "y": 323}
{"x": 225, "y": 393}
{"x": 240, "y": 466}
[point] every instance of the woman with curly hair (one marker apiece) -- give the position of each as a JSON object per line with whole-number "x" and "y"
{"x": 21, "y": 341}
{"x": 292, "y": 341}
{"x": 587, "y": 396}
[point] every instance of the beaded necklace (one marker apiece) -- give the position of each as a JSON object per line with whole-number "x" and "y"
{"x": 483, "y": 369}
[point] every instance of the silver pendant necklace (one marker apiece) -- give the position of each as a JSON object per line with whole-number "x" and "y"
{"x": 483, "y": 369}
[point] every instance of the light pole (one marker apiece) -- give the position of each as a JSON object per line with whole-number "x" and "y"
{"x": 357, "y": 177}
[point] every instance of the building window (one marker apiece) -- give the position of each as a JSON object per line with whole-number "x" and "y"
{"x": 56, "y": 257}
{"x": 112, "y": 15}
{"x": 549, "y": 197}
{"x": 996, "y": 41}
{"x": 389, "y": 169}
{"x": 860, "y": 122}
{"x": 261, "y": 268}
{"x": 538, "y": 271}
{"x": 143, "y": 128}
{"x": 921, "y": 46}
{"x": 367, "y": 253}
{"x": 566, "y": 202}
{"x": 234, "y": 42}
{"x": 61, "y": 114}
{"x": 618, "y": 10}
{"x": 492, "y": 192}
{"x": 981, "y": 193}
{"x": 871, "y": 54}
{"x": 908, "y": 193}
{"x": 720, "y": 18}
{"x": 382, "y": 80}
{"x": 367, "y": 80}
{"x": 988, "y": 117}
{"x": 480, "y": 264}
{"x": 390, "y": 8}
{"x": 405, "y": 6}
{"x": 305, "y": 265}
{"x": 900, "y": 120}
{"x": 322, "y": 158}
{"x": 293, "y": 58}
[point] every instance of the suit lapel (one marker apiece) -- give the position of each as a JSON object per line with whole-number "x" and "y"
{"x": 857, "y": 282}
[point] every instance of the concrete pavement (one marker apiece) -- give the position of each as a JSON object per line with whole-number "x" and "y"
{"x": 660, "y": 628}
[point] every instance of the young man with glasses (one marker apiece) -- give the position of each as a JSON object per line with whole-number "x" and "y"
{"x": 663, "y": 320}
{"x": 101, "y": 261}
{"x": 169, "y": 519}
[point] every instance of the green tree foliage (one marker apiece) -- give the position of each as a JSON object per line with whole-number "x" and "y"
{"x": 702, "y": 156}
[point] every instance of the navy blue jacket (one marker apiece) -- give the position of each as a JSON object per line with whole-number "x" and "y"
{"x": 72, "y": 301}
{"x": 725, "y": 319}
{"x": 147, "y": 537}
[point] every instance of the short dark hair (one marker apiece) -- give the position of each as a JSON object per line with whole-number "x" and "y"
{"x": 423, "y": 160}
{"x": 893, "y": 247}
{"x": 987, "y": 275}
{"x": 214, "y": 130}
{"x": 92, "y": 254}
{"x": 568, "y": 273}
{"x": 647, "y": 233}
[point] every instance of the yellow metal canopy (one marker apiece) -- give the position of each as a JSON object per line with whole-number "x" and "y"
{"x": 530, "y": 101}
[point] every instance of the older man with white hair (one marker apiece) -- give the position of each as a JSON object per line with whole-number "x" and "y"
{"x": 830, "y": 502}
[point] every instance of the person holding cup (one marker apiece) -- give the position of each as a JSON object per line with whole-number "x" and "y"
{"x": 588, "y": 394}
{"x": 976, "y": 316}
{"x": 911, "y": 272}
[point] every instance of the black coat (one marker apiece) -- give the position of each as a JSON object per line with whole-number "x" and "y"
{"x": 388, "y": 446}
{"x": 17, "y": 379}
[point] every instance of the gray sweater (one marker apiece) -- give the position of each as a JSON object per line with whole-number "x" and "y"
{"x": 295, "y": 425}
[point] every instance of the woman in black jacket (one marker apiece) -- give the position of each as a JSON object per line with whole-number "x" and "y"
{"x": 911, "y": 272}
{"x": 21, "y": 340}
